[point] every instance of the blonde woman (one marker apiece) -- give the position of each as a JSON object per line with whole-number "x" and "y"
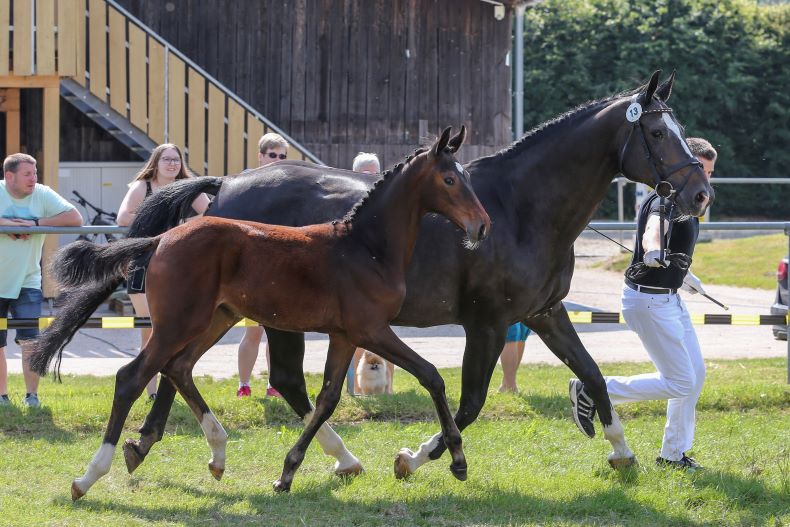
{"x": 165, "y": 165}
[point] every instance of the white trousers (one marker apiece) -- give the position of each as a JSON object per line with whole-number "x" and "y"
{"x": 664, "y": 326}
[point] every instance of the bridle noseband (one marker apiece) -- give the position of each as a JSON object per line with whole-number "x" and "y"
{"x": 659, "y": 181}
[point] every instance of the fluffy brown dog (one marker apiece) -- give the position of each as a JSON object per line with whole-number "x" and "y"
{"x": 372, "y": 374}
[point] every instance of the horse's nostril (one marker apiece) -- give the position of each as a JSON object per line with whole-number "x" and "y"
{"x": 702, "y": 197}
{"x": 482, "y": 232}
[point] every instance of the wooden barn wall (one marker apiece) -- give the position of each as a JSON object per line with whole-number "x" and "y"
{"x": 343, "y": 76}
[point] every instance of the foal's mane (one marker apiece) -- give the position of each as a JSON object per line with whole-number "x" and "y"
{"x": 386, "y": 177}
{"x": 531, "y": 135}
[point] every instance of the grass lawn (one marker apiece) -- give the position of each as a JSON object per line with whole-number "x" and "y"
{"x": 743, "y": 262}
{"x": 528, "y": 465}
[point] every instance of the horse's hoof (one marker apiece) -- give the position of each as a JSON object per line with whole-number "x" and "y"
{"x": 354, "y": 470}
{"x": 131, "y": 455}
{"x": 459, "y": 471}
{"x": 280, "y": 486}
{"x": 622, "y": 462}
{"x": 402, "y": 468}
{"x": 216, "y": 471}
{"x": 76, "y": 492}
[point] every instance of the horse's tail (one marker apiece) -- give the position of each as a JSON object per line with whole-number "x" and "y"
{"x": 88, "y": 273}
{"x": 167, "y": 206}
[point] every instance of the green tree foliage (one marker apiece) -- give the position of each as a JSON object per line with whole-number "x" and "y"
{"x": 733, "y": 78}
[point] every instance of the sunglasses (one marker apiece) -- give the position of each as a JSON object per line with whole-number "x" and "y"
{"x": 274, "y": 156}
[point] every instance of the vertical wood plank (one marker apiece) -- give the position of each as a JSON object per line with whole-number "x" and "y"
{"x": 216, "y": 131}
{"x": 138, "y": 87}
{"x": 68, "y": 17}
{"x": 97, "y": 61}
{"x": 176, "y": 101}
{"x": 50, "y": 161}
{"x": 156, "y": 91}
{"x": 12, "y": 120}
{"x": 118, "y": 62}
{"x": 5, "y": 37}
{"x": 196, "y": 138}
{"x": 254, "y": 133}
{"x": 45, "y": 37}
{"x": 235, "y": 137}
{"x": 23, "y": 37}
{"x": 81, "y": 54}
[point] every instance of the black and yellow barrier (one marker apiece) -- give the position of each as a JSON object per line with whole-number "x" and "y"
{"x": 577, "y": 317}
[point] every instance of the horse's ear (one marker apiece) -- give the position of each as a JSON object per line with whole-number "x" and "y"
{"x": 664, "y": 91}
{"x": 457, "y": 140}
{"x": 647, "y": 95}
{"x": 441, "y": 144}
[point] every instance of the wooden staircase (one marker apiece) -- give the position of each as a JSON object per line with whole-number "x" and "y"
{"x": 132, "y": 83}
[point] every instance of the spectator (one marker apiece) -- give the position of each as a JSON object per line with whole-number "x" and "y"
{"x": 368, "y": 163}
{"x": 25, "y": 203}
{"x": 512, "y": 352}
{"x": 271, "y": 147}
{"x": 655, "y": 312}
{"x": 165, "y": 165}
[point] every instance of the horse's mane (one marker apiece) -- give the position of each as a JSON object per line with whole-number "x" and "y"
{"x": 562, "y": 118}
{"x": 386, "y": 176}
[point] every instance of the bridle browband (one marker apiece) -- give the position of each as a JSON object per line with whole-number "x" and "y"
{"x": 658, "y": 180}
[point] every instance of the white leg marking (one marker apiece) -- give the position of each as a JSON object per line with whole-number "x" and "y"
{"x": 333, "y": 445}
{"x": 98, "y": 467}
{"x": 419, "y": 458}
{"x": 615, "y": 434}
{"x": 216, "y": 437}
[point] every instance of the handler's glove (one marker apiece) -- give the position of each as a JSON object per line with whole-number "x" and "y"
{"x": 652, "y": 259}
{"x": 692, "y": 284}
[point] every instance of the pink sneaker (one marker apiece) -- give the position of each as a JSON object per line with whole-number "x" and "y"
{"x": 272, "y": 392}
{"x": 244, "y": 391}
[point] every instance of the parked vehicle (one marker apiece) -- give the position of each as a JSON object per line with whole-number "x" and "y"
{"x": 780, "y": 304}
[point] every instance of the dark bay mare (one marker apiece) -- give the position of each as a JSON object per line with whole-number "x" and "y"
{"x": 345, "y": 278}
{"x": 540, "y": 192}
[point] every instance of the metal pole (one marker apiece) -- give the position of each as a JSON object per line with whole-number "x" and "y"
{"x": 518, "y": 60}
{"x": 620, "y": 210}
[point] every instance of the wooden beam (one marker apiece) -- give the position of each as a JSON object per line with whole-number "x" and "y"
{"x": 176, "y": 101}
{"x": 5, "y": 37}
{"x": 156, "y": 91}
{"x": 45, "y": 37}
{"x": 11, "y": 106}
{"x": 68, "y": 17}
{"x": 34, "y": 81}
{"x": 216, "y": 131}
{"x": 118, "y": 62}
{"x": 23, "y": 37}
{"x": 49, "y": 162}
{"x": 138, "y": 86}
{"x": 97, "y": 61}
{"x": 254, "y": 133}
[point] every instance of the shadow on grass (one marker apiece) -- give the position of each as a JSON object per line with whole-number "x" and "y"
{"x": 33, "y": 423}
{"x": 318, "y": 505}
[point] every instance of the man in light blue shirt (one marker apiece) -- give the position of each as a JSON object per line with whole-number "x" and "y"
{"x": 25, "y": 203}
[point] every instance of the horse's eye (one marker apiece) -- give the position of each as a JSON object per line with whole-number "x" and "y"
{"x": 450, "y": 181}
{"x": 658, "y": 134}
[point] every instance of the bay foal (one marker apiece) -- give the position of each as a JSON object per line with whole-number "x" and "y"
{"x": 344, "y": 278}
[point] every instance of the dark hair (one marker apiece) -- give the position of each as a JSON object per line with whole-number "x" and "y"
{"x": 701, "y": 147}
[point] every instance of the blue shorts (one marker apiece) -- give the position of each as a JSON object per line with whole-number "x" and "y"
{"x": 518, "y": 332}
{"x": 27, "y": 305}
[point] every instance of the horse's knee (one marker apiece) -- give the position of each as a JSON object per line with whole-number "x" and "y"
{"x": 433, "y": 382}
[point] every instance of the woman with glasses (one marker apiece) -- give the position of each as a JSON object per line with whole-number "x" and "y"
{"x": 271, "y": 147}
{"x": 165, "y": 165}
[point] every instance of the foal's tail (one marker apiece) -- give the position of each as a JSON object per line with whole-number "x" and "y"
{"x": 88, "y": 273}
{"x": 167, "y": 206}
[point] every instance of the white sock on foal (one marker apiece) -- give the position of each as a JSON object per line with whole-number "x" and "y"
{"x": 333, "y": 445}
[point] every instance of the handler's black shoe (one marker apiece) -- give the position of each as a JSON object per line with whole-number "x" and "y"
{"x": 684, "y": 463}
{"x": 583, "y": 408}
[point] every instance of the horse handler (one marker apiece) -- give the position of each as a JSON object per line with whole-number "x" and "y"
{"x": 653, "y": 309}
